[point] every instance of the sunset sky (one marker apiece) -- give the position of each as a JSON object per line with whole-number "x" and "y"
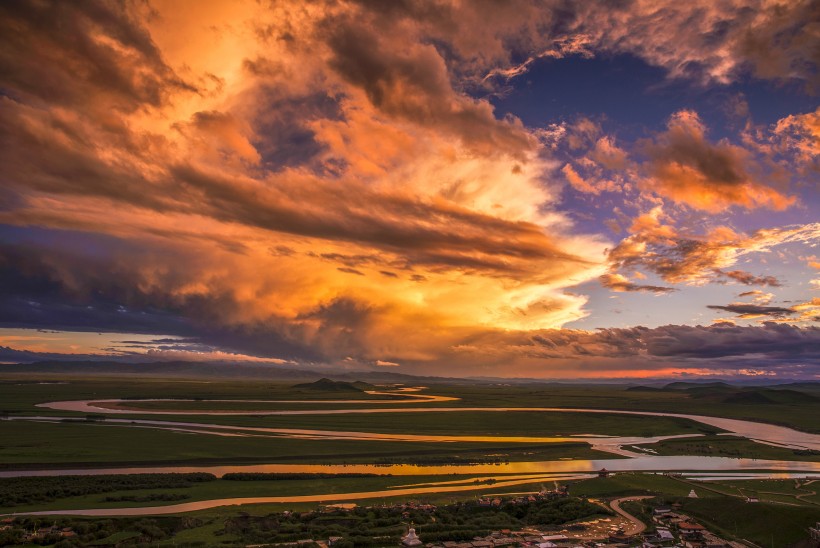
{"x": 541, "y": 189}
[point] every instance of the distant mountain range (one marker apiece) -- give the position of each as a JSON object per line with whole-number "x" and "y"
{"x": 722, "y": 392}
{"x": 214, "y": 370}
{"x": 253, "y": 371}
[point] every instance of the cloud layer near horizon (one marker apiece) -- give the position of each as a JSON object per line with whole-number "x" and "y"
{"x": 330, "y": 182}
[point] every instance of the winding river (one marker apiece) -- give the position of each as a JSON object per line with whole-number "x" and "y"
{"x": 321, "y": 498}
{"x": 756, "y": 431}
{"x": 644, "y": 463}
{"x": 693, "y": 466}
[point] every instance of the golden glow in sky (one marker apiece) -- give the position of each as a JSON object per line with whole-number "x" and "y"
{"x": 442, "y": 187}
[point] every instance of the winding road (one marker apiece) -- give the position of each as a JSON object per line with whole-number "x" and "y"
{"x": 637, "y": 525}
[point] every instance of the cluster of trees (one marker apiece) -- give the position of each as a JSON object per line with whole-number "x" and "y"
{"x": 36, "y": 490}
{"x": 442, "y": 460}
{"x": 165, "y": 497}
{"x": 379, "y": 526}
{"x": 371, "y": 526}
{"x": 128, "y": 531}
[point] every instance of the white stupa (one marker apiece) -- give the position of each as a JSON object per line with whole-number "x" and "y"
{"x": 411, "y": 538}
{"x": 692, "y": 494}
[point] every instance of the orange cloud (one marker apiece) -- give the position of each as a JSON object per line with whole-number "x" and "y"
{"x": 686, "y": 168}
{"x": 305, "y": 162}
{"x": 708, "y": 41}
{"x": 314, "y": 180}
{"x": 698, "y": 259}
{"x": 620, "y": 283}
{"x": 799, "y": 134}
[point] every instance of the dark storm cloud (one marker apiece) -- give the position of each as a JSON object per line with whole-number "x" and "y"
{"x": 93, "y": 54}
{"x": 51, "y": 152}
{"x": 285, "y": 123}
{"x": 10, "y": 355}
{"x": 711, "y": 41}
{"x": 770, "y": 341}
{"x": 412, "y": 83}
{"x": 33, "y": 295}
{"x": 701, "y": 40}
{"x": 426, "y": 232}
{"x": 42, "y": 287}
{"x": 753, "y": 310}
{"x": 238, "y": 203}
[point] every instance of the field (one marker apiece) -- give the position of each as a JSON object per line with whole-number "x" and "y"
{"x": 20, "y": 394}
{"x": 29, "y": 444}
{"x": 777, "y": 520}
{"x": 372, "y": 525}
{"x": 102, "y": 441}
{"x": 219, "y": 488}
{"x": 94, "y": 439}
{"x": 729, "y": 446}
{"x": 798, "y": 413}
{"x": 718, "y": 506}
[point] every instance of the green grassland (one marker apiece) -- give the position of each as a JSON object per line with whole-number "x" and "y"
{"x": 795, "y": 412}
{"x": 791, "y": 491}
{"x": 625, "y": 484}
{"x": 764, "y": 524}
{"x": 69, "y": 444}
{"x": 512, "y": 423}
{"x": 20, "y": 394}
{"x": 729, "y": 446}
{"x": 235, "y": 489}
{"x": 458, "y": 423}
{"x": 32, "y": 445}
{"x": 775, "y": 525}
{"x": 220, "y": 488}
{"x": 720, "y": 505}
{"x": 786, "y": 508}
{"x": 778, "y": 520}
{"x": 370, "y": 525}
{"x": 630, "y": 484}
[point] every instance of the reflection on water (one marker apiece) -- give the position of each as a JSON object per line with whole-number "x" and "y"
{"x": 637, "y": 464}
{"x": 330, "y": 497}
{"x": 461, "y": 485}
{"x": 517, "y": 473}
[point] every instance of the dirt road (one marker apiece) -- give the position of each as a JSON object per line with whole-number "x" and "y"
{"x": 637, "y": 525}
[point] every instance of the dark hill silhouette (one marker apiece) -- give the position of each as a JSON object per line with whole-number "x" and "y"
{"x": 327, "y": 385}
{"x": 778, "y": 395}
{"x": 747, "y": 398}
{"x": 684, "y": 385}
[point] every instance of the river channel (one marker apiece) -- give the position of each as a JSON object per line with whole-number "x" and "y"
{"x": 693, "y": 466}
{"x": 756, "y": 431}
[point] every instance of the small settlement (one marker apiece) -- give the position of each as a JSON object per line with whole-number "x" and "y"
{"x": 669, "y": 528}
{"x": 672, "y": 529}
